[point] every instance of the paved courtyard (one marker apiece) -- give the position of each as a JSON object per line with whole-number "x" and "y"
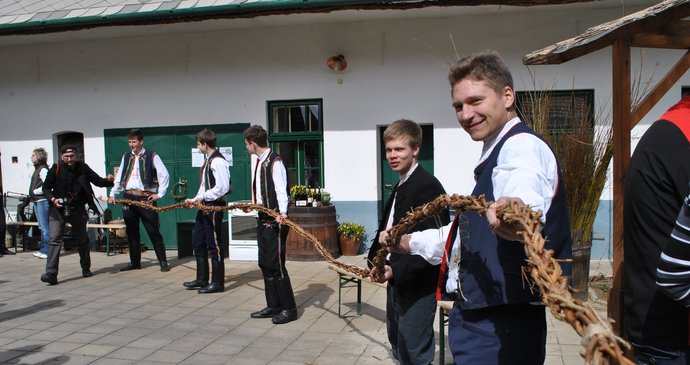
{"x": 146, "y": 317}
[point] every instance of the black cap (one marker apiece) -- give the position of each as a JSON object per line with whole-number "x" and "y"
{"x": 68, "y": 149}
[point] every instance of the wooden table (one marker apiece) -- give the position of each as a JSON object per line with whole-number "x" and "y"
{"x": 110, "y": 229}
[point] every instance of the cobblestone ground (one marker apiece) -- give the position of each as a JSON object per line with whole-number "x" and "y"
{"x": 146, "y": 317}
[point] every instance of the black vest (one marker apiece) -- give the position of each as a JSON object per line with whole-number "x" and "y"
{"x": 207, "y": 176}
{"x": 149, "y": 174}
{"x": 268, "y": 187}
{"x": 36, "y": 182}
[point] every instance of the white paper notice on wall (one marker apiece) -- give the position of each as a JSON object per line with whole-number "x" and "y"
{"x": 198, "y": 157}
{"x": 227, "y": 153}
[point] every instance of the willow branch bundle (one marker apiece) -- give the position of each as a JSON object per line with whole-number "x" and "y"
{"x": 601, "y": 345}
{"x": 246, "y": 207}
{"x": 433, "y": 208}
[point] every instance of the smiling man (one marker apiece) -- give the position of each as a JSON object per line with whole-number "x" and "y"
{"x": 142, "y": 177}
{"x": 497, "y": 317}
{"x": 411, "y": 304}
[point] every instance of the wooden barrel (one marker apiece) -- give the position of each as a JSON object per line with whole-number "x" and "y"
{"x": 320, "y": 222}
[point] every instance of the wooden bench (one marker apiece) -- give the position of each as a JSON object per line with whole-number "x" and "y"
{"x": 110, "y": 229}
{"x": 345, "y": 278}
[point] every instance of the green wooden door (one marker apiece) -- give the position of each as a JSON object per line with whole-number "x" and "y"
{"x": 174, "y": 145}
{"x": 389, "y": 177}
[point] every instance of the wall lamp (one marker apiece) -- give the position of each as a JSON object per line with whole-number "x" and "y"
{"x": 337, "y": 63}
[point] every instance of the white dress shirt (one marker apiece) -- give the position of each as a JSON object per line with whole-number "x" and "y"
{"x": 279, "y": 181}
{"x": 403, "y": 178}
{"x": 221, "y": 172}
{"x": 526, "y": 168}
{"x": 135, "y": 182}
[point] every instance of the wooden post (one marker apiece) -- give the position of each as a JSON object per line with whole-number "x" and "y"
{"x": 621, "y": 100}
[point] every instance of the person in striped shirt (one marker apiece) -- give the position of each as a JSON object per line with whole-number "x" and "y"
{"x": 673, "y": 273}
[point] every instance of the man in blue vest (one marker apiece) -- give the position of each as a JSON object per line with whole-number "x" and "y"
{"x": 269, "y": 189}
{"x": 214, "y": 179}
{"x": 143, "y": 177}
{"x": 497, "y": 317}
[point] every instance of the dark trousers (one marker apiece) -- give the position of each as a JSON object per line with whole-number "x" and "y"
{"x": 650, "y": 355}
{"x": 132, "y": 215}
{"x": 207, "y": 235}
{"x": 271, "y": 248}
{"x": 410, "y": 325}
{"x": 56, "y": 227}
{"x": 513, "y": 334}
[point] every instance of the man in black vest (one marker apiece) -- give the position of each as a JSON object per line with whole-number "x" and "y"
{"x": 214, "y": 185}
{"x": 68, "y": 188}
{"x": 269, "y": 189}
{"x": 143, "y": 177}
{"x": 411, "y": 304}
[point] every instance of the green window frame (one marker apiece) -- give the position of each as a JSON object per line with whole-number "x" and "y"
{"x": 295, "y": 131}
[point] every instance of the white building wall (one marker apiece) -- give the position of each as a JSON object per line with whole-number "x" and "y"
{"x": 179, "y": 75}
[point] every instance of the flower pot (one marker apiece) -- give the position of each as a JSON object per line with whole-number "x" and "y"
{"x": 349, "y": 246}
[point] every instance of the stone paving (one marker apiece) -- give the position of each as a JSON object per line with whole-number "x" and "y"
{"x": 146, "y": 317}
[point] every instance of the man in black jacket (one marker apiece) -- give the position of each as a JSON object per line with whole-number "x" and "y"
{"x": 68, "y": 188}
{"x": 411, "y": 305}
{"x": 655, "y": 184}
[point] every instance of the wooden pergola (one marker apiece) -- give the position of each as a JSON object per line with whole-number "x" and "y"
{"x": 659, "y": 26}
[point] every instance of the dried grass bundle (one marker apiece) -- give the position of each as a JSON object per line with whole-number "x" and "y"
{"x": 582, "y": 145}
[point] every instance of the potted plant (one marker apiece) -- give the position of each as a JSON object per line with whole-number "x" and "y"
{"x": 351, "y": 237}
{"x": 298, "y": 193}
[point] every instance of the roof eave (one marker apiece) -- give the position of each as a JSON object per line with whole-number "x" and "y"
{"x": 248, "y": 10}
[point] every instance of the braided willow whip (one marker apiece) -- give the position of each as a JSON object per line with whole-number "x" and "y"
{"x": 246, "y": 207}
{"x": 602, "y": 346}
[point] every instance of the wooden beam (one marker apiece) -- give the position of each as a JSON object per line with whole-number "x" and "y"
{"x": 621, "y": 157}
{"x": 661, "y": 41}
{"x": 675, "y": 35}
{"x": 595, "y": 38}
{"x": 661, "y": 88}
{"x": 677, "y": 28}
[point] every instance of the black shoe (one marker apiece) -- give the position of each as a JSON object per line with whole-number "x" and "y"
{"x": 86, "y": 273}
{"x": 265, "y": 313}
{"x": 164, "y": 266}
{"x": 212, "y": 288}
{"x": 131, "y": 266}
{"x": 8, "y": 252}
{"x": 195, "y": 284}
{"x": 48, "y": 278}
{"x": 285, "y": 316}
